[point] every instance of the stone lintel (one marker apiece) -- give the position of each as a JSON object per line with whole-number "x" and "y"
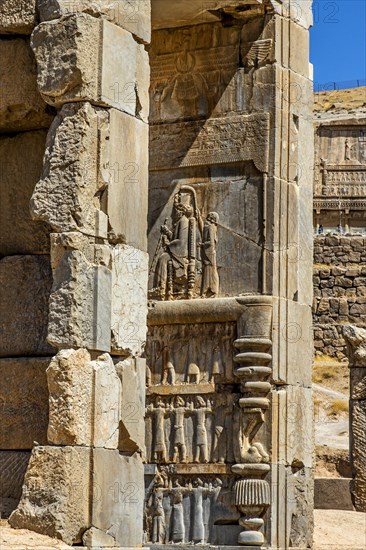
{"x": 202, "y": 310}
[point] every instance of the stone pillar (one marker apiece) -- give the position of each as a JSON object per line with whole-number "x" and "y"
{"x": 356, "y": 344}
{"x": 229, "y": 408}
{"x": 84, "y": 482}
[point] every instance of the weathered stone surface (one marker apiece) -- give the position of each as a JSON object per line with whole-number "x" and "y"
{"x": 21, "y": 106}
{"x": 80, "y": 301}
{"x": 18, "y": 16}
{"x": 67, "y": 194}
{"x": 132, "y": 373}
{"x": 292, "y": 524}
{"x": 84, "y": 400}
{"x": 125, "y": 73}
{"x": 124, "y": 164}
{"x": 67, "y": 58}
{"x": 132, "y": 15}
{"x": 13, "y": 465}
{"x": 292, "y": 445}
{"x": 25, "y": 283}
{"x": 82, "y": 58}
{"x": 332, "y": 494}
{"x": 23, "y": 402}
{"x": 55, "y": 499}
{"x": 16, "y": 539}
{"x": 119, "y": 509}
{"x": 21, "y": 160}
{"x": 129, "y": 299}
{"x": 192, "y": 13}
{"x": 358, "y": 453}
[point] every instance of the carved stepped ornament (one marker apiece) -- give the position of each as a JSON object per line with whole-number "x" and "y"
{"x": 252, "y": 495}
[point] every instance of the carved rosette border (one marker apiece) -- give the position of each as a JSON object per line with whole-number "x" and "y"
{"x": 253, "y": 360}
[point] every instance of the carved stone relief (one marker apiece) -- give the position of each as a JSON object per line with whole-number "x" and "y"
{"x": 191, "y": 71}
{"x": 234, "y": 138}
{"x": 188, "y": 242}
{"x": 194, "y": 429}
{"x": 206, "y": 232}
{"x": 181, "y": 361}
{"x": 186, "y": 509}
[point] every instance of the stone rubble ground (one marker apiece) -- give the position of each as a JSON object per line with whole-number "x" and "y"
{"x": 21, "y": 539}
{"x": 334, "y": 530}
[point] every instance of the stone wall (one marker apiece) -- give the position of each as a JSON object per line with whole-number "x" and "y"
{"x": 25, "y": 267}
{"x": 339, "y": 290}
{"x": 73, "y": 270}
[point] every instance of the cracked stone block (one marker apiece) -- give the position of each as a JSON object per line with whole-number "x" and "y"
{"x": 21, "y": 105}
{"x": 55, "y": 498}
{"x": 129, "y": 300}
{"x": 118, "y": 511}
{"x": 132, "y": 15}
{"x": 293, "y": 446}
{"x": 67, "y": 195}
{"x": 82, "y": 58}
{"x": 21, "y": 161}
{"x": 132, "y": 373}
{"x": 13, "y": 465}
{"x": 25, "y": 283}
{"x": 80, "y": 301}
{"x": 292, "y": 522}
{"x": 124, "y": 168}
{"x": 84, "y": 400}
{"x": 18, "y": 16}
{"x": 23, "y": 402}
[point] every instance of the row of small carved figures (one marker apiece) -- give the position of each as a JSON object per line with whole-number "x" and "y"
{"x": 180, "y": 408}
{"x": 161, "y": 529}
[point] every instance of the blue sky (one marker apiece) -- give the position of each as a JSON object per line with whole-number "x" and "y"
{"x": 338, "y": 40}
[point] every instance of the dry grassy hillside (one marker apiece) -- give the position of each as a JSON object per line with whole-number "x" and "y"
{"x": 340, "y": 100}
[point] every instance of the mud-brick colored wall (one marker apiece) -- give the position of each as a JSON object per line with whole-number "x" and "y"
{"x": 339, "y": 290}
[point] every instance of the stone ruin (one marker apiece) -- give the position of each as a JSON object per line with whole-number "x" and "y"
{"x": 356, "y": 346}
{"x": 154, "y": 187}
{"x": 339, "y": 218}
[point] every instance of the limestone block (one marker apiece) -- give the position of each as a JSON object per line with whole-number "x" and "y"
{"x": 119, "y": 509}
{"x": 132, "y": 373}
{"x": 125, "y": 173}
{"x": 80, "y": 301}
{"x": 83, "y": 58}
{"x": 23, "y": 402}
{"x": 332, "y": 494}
{"x": 129, "y": 299}
{"x": 292, "y": 407}
{"x": 66, "y": 196}
{"x": 21, "y": 158}
{"x": 292, "y": 518}
{"x": 292, "y": 343}
{"x": 25, "y": 283}
{"x": 18, "y": 16}
{"x": 13, "y": 465}
{"x": 55, "y": 498}
{"x": 125, "y": 73}
{"x": 21, "y": 106}
{"x": 132, "y": 15}
{"x": 298, "y": 11}
{"x": 84, "y": 400}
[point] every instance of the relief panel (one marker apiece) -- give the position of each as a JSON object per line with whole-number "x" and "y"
{"x": 206, "y": 232}
{"x": 190, "y": 509}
